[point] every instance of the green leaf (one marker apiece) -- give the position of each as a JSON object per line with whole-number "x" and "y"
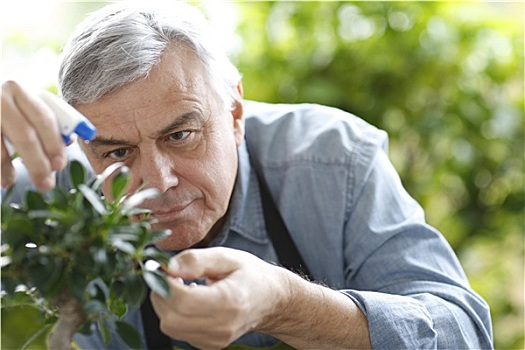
{"x": 138, "y": 211}
{"x": 137, "y": 198}
{"x": 40, "y": 214}
{"x": 49, "y": 275}
{"x": 59, "y": 198}
{"x": 157, "y": 282}
{"x": 16, "y": 230}
{"x": 100, "y": 256}
{"x": 105, "y": 174}
{"x": 129, "y": 237}
{"x": 123, "y": 246}
{"x": 77, "y": 173}
{"x": 21, "y": 298}
{"x": 93, "y": 198}
{"x": 117, "y": 306}
{"x": 134, "y": 290}
{"x": 119, "y": 183}
{"x": 109, "y": 268}
{"x": 34, "y": 336}
{"x": 128, "y": 334}
{"x": 125, "y": 232}
{"x": 35, "y": 201}
{"x": 78, "y": 284}
{"x": 143, "y": 236}
{"x": 157, "y": 236}
{"x": 104, "y": 331}
{"x": 156, "y": 254}
{"x": 117, "y": 289}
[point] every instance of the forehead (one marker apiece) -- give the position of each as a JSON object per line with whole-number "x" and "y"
{"x": 179, "y": 80}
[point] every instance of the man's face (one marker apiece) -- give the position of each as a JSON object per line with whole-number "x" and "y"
{"x": 174, "y": 133}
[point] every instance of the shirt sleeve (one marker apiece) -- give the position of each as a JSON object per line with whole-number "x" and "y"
{"x": 402, "y": 273}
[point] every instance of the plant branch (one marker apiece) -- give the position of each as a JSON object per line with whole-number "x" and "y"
{"x": 70, "y": 318}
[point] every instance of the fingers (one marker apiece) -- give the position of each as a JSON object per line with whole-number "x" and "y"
{"x": 200, "y": 321}
{"x": 240, "y": 291}
{"x": 220, "y": 295}
{"x": 188, "y": 300}
{"x": 31, "y": 127}
{"x": 214, "y": 264}
{"x": 8, "y": 171}
{"x": 44, "y": 122}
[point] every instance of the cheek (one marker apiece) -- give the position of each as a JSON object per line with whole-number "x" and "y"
{"x": 220, "y": 175}
{"x": 214, "y": 175}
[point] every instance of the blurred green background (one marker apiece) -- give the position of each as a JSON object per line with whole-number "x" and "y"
{"x": 444, "y": 79}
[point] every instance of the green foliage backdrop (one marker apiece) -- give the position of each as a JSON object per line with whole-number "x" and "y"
{"x": 444, "y": 79}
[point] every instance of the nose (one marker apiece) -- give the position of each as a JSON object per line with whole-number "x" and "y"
{"x": 156, "y": 169}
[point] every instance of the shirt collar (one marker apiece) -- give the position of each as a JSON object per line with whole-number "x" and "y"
{"x": 245, "y": 215}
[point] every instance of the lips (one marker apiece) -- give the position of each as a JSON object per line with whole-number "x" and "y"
{"x": 168, "y": 214}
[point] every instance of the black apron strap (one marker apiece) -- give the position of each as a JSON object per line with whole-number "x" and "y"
{"x": 282, "y": 242}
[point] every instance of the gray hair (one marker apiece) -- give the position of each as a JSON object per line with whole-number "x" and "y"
{"x": 122, "y": 42}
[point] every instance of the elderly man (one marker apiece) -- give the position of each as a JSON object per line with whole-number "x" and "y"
{"x": 237, "y": 178}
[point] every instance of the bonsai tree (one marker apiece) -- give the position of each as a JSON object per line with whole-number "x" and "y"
{"x": 79, "y": 258}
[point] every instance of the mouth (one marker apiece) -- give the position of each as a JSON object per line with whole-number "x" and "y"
{"x": 169, "y": 214}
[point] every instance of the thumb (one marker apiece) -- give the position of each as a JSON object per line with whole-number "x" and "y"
{"x": 212, "y": 263}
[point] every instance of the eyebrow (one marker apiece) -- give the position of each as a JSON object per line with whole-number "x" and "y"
{"x": 180, "y": 122}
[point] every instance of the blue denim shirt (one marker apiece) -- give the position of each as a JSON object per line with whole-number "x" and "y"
{"x": 356, "y": 227}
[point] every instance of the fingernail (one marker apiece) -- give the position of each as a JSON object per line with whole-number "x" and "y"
{"x": 57, "y": 163}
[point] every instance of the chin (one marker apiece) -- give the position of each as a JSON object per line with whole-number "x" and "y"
{"x": 179, "y": 241}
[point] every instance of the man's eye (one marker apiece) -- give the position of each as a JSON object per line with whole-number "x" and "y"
{"x": 179, "y": 135}
{"x": 118, "y": 154}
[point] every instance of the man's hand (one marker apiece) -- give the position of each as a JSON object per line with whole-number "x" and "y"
{"x": 32, "y": 129}
{"x": 243, "y": 293}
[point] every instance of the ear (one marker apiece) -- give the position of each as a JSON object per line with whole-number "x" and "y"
{"x": 238, "y": 116}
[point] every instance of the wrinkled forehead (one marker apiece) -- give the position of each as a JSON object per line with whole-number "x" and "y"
{"x": 179, "y": 75}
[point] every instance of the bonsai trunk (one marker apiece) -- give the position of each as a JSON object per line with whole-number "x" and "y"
{"x": 70, "y": 318}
